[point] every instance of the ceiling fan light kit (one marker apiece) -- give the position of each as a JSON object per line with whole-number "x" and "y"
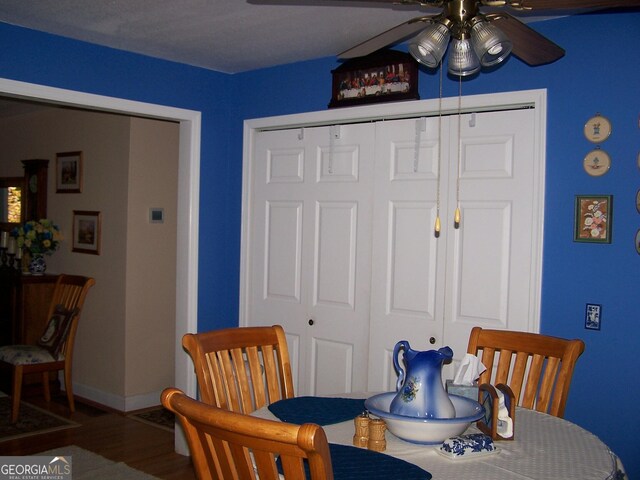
{"x": 463, "y": 61}
{"x": 429, "y": 46}
{"x": 489, "y": 42}
{"x": 476, "y": 43}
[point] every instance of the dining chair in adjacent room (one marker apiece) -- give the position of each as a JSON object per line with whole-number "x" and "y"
{"x": 54, "y": 350}
{"x": 241, "y": 369}
{"x": 537, "y": 367}
{"x": 226, "y": 445}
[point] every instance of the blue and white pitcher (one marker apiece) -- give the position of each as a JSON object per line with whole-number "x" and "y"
{"x": 420, "y": 389}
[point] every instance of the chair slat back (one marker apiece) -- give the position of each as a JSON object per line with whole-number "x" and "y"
{"x": 70, "y": 291}
{"x": 231, "y": 446}
{"x": 537, "y": 367}
{"x": 241, "y": 369}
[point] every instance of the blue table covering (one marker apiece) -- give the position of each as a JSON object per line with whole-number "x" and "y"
{"x": 319, "y": 410}
{"x": 353, "y": 463}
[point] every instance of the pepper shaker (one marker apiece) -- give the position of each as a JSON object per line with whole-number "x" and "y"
{"x": 361, "y": 436}
{"x": 377, "y": 441}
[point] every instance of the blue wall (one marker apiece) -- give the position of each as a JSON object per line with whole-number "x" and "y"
{"x": 600, "y": 73}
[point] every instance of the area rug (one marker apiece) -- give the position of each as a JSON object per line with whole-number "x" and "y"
{"x": 87, "y": 465}
{"x": 31, "y": 421}
{"x": 157, "y": 416}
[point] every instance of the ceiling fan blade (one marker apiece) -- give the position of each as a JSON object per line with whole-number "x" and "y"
{"x": 528, "y": 45}
{"x": 392, "y": 36}
{"x": 575, "y": 4}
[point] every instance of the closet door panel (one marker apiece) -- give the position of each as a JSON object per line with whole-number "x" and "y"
{"x": 279, "y": 199}
{"x": 410, "y": 266}
{"x": 310, "y": 237}
{"x": 406, "y": 298}
{"x": 335, "y": 254}
{"x": 491, "y": 267}
{"x": 336, "y": 359}
{"x": 482, "y": 285}
{"x": 283, "y": 251}
{"x": 339, "y": 258}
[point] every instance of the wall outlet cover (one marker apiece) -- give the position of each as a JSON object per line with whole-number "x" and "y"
{"x": 592, "y": 316}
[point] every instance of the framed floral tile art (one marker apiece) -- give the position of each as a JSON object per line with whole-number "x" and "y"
{"x": 593, "y": 218}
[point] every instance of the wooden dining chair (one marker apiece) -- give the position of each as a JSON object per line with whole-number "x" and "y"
{"x": 226, "y": 445}
{"x": 241, "y": 369}
{"x": 537, "y": 367}
{"x": 54, "y": 351}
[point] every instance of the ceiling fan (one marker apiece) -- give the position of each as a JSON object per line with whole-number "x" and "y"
{"x": 478, "y": 39}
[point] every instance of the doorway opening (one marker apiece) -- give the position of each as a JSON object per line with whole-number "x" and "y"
{"x": 188, "y": 194}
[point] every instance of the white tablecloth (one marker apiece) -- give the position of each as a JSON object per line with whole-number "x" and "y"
{"x": 545, "y": 448}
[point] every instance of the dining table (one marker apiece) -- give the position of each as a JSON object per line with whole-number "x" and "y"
{"x": 544, "y": 447}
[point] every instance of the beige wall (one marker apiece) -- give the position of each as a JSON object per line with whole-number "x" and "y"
{"x": 124, "y": 349}
{"x": 151, "y": 256}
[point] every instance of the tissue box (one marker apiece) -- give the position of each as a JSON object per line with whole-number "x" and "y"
{"x": 469, "y": 391}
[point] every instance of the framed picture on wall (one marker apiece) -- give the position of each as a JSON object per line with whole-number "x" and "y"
{"x": 383, "y": 76}
{"x": 87, "y": 232}
{"x": 69, "y": 172}
{"x": 593, "y": 218}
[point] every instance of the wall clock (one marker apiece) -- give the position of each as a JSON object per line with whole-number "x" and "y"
{"x": 597, "y": 129}
{"x": 35, "y": 198}
{"x": 597, "y": 162}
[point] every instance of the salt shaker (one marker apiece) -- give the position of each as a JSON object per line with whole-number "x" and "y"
{"x": 361, "y": 436}
{"x": 377, "y": 441}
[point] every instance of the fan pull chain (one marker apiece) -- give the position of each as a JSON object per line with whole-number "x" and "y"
{"x": 437, "y": 225}
{"x": 456, "y": 216}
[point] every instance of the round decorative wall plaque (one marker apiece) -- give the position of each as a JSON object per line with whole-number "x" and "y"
{"x": 597, "y": 129}
{"x": 597, "y": 162}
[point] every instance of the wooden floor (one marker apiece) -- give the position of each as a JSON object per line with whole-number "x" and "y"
{"x": 110, "y": 434}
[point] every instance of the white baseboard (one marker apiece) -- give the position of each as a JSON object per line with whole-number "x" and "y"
{"x": 117, "y": 402}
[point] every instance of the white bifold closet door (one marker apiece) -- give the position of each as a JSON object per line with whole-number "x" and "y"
{"x": 432, "y": 291}
{"x": 342, "y": 250}
{"x": 311, "y": 250}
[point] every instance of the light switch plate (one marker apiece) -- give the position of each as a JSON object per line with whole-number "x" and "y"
{"x": 156, "y": 215}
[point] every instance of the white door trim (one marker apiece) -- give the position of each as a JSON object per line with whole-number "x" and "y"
{"x": 188, "y": 203}
{"x": 520, "y": 99}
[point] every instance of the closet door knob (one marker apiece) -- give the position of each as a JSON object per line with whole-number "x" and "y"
{"x": 432, "y": 340}
{"x": 311, "y": 321}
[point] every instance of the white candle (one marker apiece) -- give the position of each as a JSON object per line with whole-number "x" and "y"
{"x": 12, "y": 246}
{"x": 5, "y": 237}
{"x": 18, "y": 254}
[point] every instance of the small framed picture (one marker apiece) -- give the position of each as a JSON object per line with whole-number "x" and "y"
{"x": 592, "y": 316}
{"x": 638, "y": 242}
{"x": 69, "y": 172}
{"x": 87, "y": 232}
{"x": 593, "y": 218}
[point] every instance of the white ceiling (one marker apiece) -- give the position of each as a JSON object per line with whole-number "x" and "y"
{"x": 228, "y": 36}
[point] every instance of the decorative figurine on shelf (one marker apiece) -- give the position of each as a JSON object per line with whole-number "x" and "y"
{"x": 38, "y": 238}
